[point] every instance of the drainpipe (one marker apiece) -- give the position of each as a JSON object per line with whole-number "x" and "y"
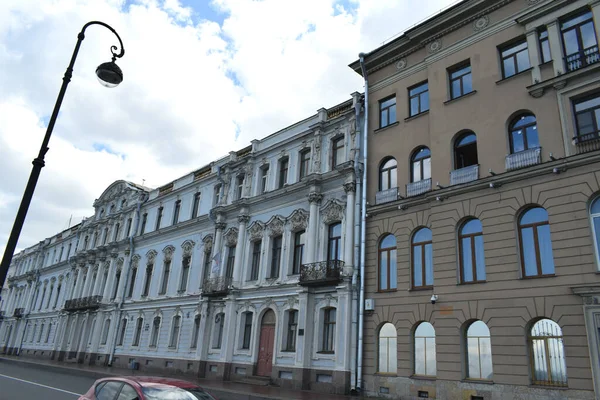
{"x": 142, "y": 199}
{"x": 363, "y": 222}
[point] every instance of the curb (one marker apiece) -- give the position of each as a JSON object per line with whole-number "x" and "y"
{"x": 50, "y": 367}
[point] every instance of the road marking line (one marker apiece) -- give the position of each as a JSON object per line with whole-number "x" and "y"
{"x": 39, "y": 384}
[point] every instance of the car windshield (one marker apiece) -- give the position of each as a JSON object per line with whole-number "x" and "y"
{"x": 175, "y": 393}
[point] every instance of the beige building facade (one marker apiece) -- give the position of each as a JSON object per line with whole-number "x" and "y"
{"x": 482, "y": 256}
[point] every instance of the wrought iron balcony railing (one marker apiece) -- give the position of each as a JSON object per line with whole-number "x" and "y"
{"x": 321, "y": 273}
{"x": 524, "y": 158}
{"x": 417, "y": 188}
{"x": 83, "y": 303}
{"x": 582, "y": 58}
{"x": 464, "y": 175}
{"x": 385, "y": 196}
{"x": 19, "y": 312}
{"x": 217, "y": 286}
{"x": 587, "y": 143}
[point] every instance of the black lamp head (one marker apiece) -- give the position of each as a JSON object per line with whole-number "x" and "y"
{"x": 109, "y": 74}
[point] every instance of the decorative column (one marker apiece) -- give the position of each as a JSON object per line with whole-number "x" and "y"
{"x": 217, "y": 256}
{"x": 239, "y": 249}
{"x": 350, "y": 189}
{"x": 555, "y": 48}
{"x": 314, "y": 199}
{"x": 112, "y": 273}
{"x": 534, "y": 55}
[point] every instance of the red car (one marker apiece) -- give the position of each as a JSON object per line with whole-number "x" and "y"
{"x": 145, "y": 388}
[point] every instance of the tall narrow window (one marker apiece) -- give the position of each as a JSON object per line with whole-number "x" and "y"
{"x": 304, "y": 163}
{"x": 461, "y": 81}
{"x": 94, "y": 242}
{"x": 328, "y": 341}
{"x": 132, "y": 282}
{"x": 230, "y": 261}
{"x": 105, "y": 331}
{"x": 292, "y": 325}
{"x": 247, "y": 318}
{"x": 122, "y": 332}
{"x": 515, "y": 59}
{"x": 155, "y": 332}
{"x": 128, "y": 230}
{"x": 68, "y": 251}
{"x": 105, "y": 236}
{"x": 116, "y": 285}
{"x": 523, "y": 133}
{"x": 116, "y": 232}
{"x": 535, "y": 243}
{"x": 579, "y": 40}
{"x": 61, "y": 253}
{"x": 196, "y": 205}
{"x": 42, "y": 300}
{"x": 387, "y": 263}
{"x": 176, "y": 210}
{"x": 48, "y": 333}
{"x": 283, "y": 171}
{"x": 217, "y": 196}
{"x": 595, "y": 217}
{"x": 422, "y": 259}
{"x": 337, "y": 152}
{"x": 587, "y": 117}
{"x": 470, "y": 250}
{"x": 207, "y": 266}
{"x": 195, "y": 332}
{"x": 49, "y": 297}
{"x": 148, "y": 279}
{"x": 255, "y": 267}
{"x": 264, "y": 177}
{"x": 299, "y": 241}
{"x": 544, "y": 46}
{"x": 39, "y": 339}
{"x": 420, "y": 165}
{"x": 185, "y": 273}
{"x": 138, "y": 332}
{"x": 479, "y": 351}
{"x": 334, "y": 241}
{"x": 387, "y": 111}
{"x": 57, "y": 295}
{"x": 159, "y": 215}
{"x": 144, "y": 220}
{"x": 388, "y": 349}
{"x": 388, "y": 174}
{"x": 547, "y": 354}
{"x": 165, "y": 278}
{"x": 465, "y": 151}
{"x": 175, "y": 326}
{"x": 218, "y": 332}
{"x": 239, "y": 187}
{"x": 425, "y": 358}
{"x": 275, "y": 257}
{"x": 418, "y": 99}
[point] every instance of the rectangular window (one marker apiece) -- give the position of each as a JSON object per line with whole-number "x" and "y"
{"x": 387, "y": 111}
{"x": 461, "y": 82}
{"x": 247, "y": 330}
{"x": 196, "y": 205}
{"x": 122, "y": 332}
{"x": 158, "y": 218}
{"x": 165, "y": 278}
{"x": 239, "y": 187}
{"x": 275, "y": 257}
{"x": 175, "y": 331}
{"x": 138, "y": 332}
{"x": 105, "y": 332}
{"x": 176, "y": 210}
{"x": 195, "y": 332}
{"x": 129, "y": 222}
{"x": 418, "y": 99}
{"x": 185, "y": 273}
{"x": 299, "y": 241}
{"x": 544, "y": 46}
{"x": 116, "y": 232}
{"x": 515, "y": 58}
{"x": 290, "y": 343}
{"x": 328, "y": 330}
{"x": 579, "y": 40}
{"x": 218, "y": 333}
{"x": 144, "y": 219}
{"x": 207, "y": 264}
{"x": 283, "y": 171}
{"x": 230, "y": 261}
{"x": 69, "y": 251}
{"x": 132, "y": 282}
{"x": 146, "y": 290}
{"x": 304, "y": 163}
{"x": 587, "y": 117}
{"x": 217, "y": 197}
{"x": 155, "y": 332}
{"x": 334, "y": 242}
{"x": 337, "y": 152}
{"x": 256, "y": 248}
{"x": 264, "y": 174}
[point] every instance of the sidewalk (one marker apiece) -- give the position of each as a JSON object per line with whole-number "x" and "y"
{"x": 249, "y": 392}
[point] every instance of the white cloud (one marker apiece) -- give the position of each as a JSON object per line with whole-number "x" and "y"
{"x": 190, "y": 86}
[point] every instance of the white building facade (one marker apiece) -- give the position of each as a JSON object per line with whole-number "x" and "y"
{"x": 245, "y": 268}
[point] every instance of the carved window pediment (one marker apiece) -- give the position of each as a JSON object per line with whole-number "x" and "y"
{"x": 230, "y": 237}
{"x": 208, "y": 242}
{"x": 332, "y": 212}
{"x": 151, "y": 256}
{"x": 168, "y": 252}
{"x": 298, "y": 220}
{"x": 256, "y": 231}
{"x": 187, "y": 247}
{"x": 275, "y": 226}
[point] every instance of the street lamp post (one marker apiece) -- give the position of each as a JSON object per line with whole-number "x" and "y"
{"x": 109, "y": 74}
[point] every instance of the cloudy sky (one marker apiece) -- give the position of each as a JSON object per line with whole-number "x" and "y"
{"x": 201, "y": 78}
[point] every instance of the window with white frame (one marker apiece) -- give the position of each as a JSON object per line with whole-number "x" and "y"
{"x": 388, "y": 349}
{"x": 291, "y": 329}
{"x": 185, "y": 272}
{"x": 175, "y": 327}
{"x": 155, "y": 331}
{"x": 247, "y": 329}
{"x": 328, "y": 338}
{"x": 255, "y": 265}
{"x": 195, "y": 332}
{"x": 165, "y": 278}
{"x": 479, "y": 351}
{"x": 122, "y": 332}
{"x": 105, "y": 332}
{"x": 275, "y": 256}
{"x": 138, "y": 332}
{"x": 218, "y": 331}
{"x": 424, "y": 350}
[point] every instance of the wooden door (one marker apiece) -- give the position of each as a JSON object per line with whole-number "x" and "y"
{"x": 266, "y": 344}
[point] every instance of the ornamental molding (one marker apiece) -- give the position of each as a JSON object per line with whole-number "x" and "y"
{"x": 275, "y": 226}
{"x": 481, "y": 23}
{"x": 188, "y": 247}
{"x": 230, "y": 237}
{"x": 120, "y": 262}
{"x": 256, "y": 231}
{"x": 298, "y": 220}
{"x": 292, "y": 301}
{"x": 350, "y": 187}
{"x": 333, "y": 211}
{"x": 208, "y": 242}
{"x": 315, "y": 197}
{"x": 533, "y": 2}
{"x": 401, "y": 64}
{"x": 151, "y": 256}
{"x": 434, "y": 46}
{"x": 135, "y": 260}
{"x": 243, "y": 219}
{"x": 168, "y": 252}
{"x": 220, "y": 226}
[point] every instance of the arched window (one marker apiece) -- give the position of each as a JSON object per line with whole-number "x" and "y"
{"x": 425, "y": 350}
{"x": 535, "y": 243}
{"x": 479, "y": 351}
{"x": 547, "y": 354}
{"x": 388, "y": 349}
{"x": 387, "y": 263}
{"x": 471, "y": 255}
{"x": 422, "y": 259}
{"x": 388, "y": 174}
{"x": 523, "y": 133}
{"x": 595, "y": 216}
{"x": 420, "y": 165}
{"x": 465, "y": 151}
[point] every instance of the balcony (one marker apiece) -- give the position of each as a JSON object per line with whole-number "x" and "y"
{"x": 464, "y": 175}
{"x": 587, "y": 143}
{"x": 417, "y": 188}
{"x": 19, "y": 312}
{"x": 321, "y": 273}
{"x": 582, "y": 58}
{"x": 524, "y": 159}
{"x": 385, "y": 196}
{"x": 83, "y": 303}
{"x": 215, "y": 287}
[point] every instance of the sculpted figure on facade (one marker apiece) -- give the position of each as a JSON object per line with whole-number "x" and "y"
{"x": 188, "y": 247}
{"x": 230, "y": 237}
{"x": 168, "y": 252}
